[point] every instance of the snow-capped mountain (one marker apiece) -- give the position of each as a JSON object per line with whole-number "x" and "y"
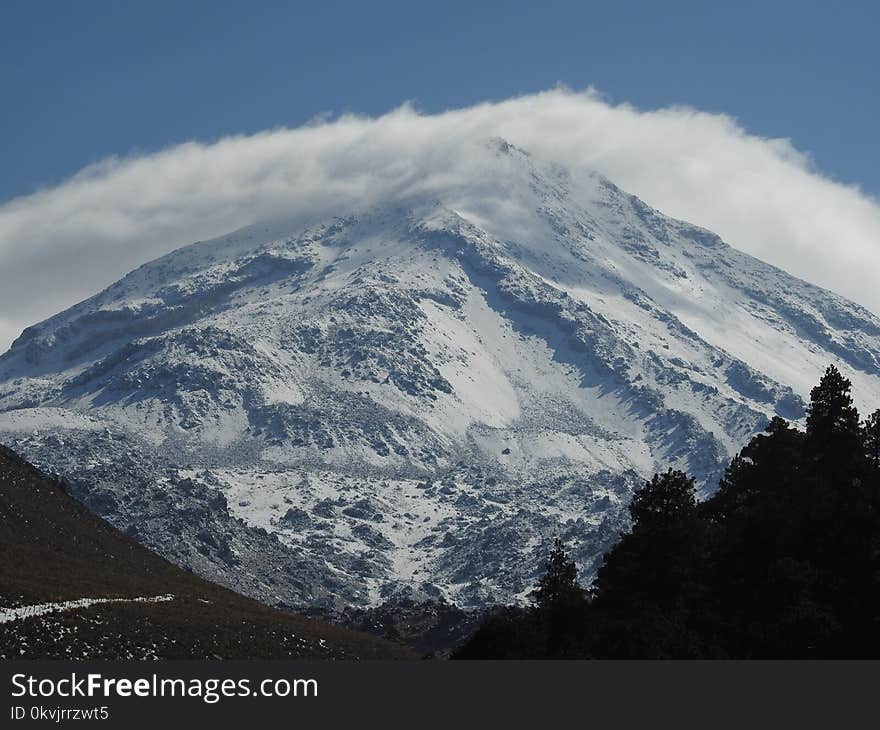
{"x": 417, "y": 396}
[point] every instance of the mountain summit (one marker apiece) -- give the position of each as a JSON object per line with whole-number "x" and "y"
{"x": 417, "y": 396}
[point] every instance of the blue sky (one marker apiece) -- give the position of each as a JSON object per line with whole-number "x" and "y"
{"x": 84, "y": 80}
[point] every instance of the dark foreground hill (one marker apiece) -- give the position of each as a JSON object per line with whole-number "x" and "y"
{"x": 52, "y": 551}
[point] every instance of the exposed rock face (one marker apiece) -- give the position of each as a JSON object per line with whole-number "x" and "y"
{"x": 422, "y": 394}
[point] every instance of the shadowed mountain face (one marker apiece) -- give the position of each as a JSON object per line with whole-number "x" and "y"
{"x": 411, "y": 400}
{"x": 56, "y": 553}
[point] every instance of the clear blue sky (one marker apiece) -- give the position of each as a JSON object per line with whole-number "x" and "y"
{"x": 83, "y": 80}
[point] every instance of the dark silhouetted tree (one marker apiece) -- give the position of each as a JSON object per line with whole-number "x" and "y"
{"x": 645, "y": 592}
{"x": 764, "y": 549}
{"x": 833, "y": 434}
{"x": 561, "y": 606}
{"x": 871, "y": 435}
{"x": 555, "y": 628}
{"x": 558, "y": 584}
{"x": 845, "y": 505}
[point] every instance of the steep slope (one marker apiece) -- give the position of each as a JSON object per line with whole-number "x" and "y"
{"x": 71, "y": 586}
{"x": 413, "y": 398}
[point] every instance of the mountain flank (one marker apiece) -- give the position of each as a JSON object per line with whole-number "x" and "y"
{"x": 411, "y": 398}
{"x": 55, "y": 551}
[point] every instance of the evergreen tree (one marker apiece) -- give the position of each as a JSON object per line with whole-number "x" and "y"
{"x": 846, "y": 506}
{"x": 762, "y": 490}
{"x": 872, "y": 454}
{"x": 650, "y": 558}
{"x": 764, "y": 549}
{"x": 647, "y": 593}
{"x": 559, "y": 584}
{"x": 561, "y": 606}
{"x": 833, "y": 434}
{"x": 555, "y": 628}
{"x": 871, "y": 436}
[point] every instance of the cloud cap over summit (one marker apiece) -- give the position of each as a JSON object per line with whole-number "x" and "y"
{"x": 761, "y": 195}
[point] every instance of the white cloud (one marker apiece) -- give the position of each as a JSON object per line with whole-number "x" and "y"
{"x": 761, "y": 195}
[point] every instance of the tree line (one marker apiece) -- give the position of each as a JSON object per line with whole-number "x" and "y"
{"x": 783, "y": 561}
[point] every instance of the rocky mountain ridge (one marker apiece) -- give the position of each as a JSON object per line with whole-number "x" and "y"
{"x": 413, "y": 399}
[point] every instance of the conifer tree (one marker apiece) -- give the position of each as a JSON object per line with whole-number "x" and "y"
{"x": 871, "y": 435}
{"x": 646, "y": 591}
{"x": 844, "y": 505}
{"x": 833, "y": 434}
{"x": 764, "y": 549}
{"x": 765, "y": 480}
{"x": 559, "y": 583}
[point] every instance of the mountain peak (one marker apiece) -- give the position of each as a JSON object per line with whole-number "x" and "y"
{"x": 503, "y": 147}
{"x": 423, "y": 391}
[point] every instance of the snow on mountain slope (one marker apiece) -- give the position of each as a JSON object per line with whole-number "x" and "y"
{"x": 418, "y": 396}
